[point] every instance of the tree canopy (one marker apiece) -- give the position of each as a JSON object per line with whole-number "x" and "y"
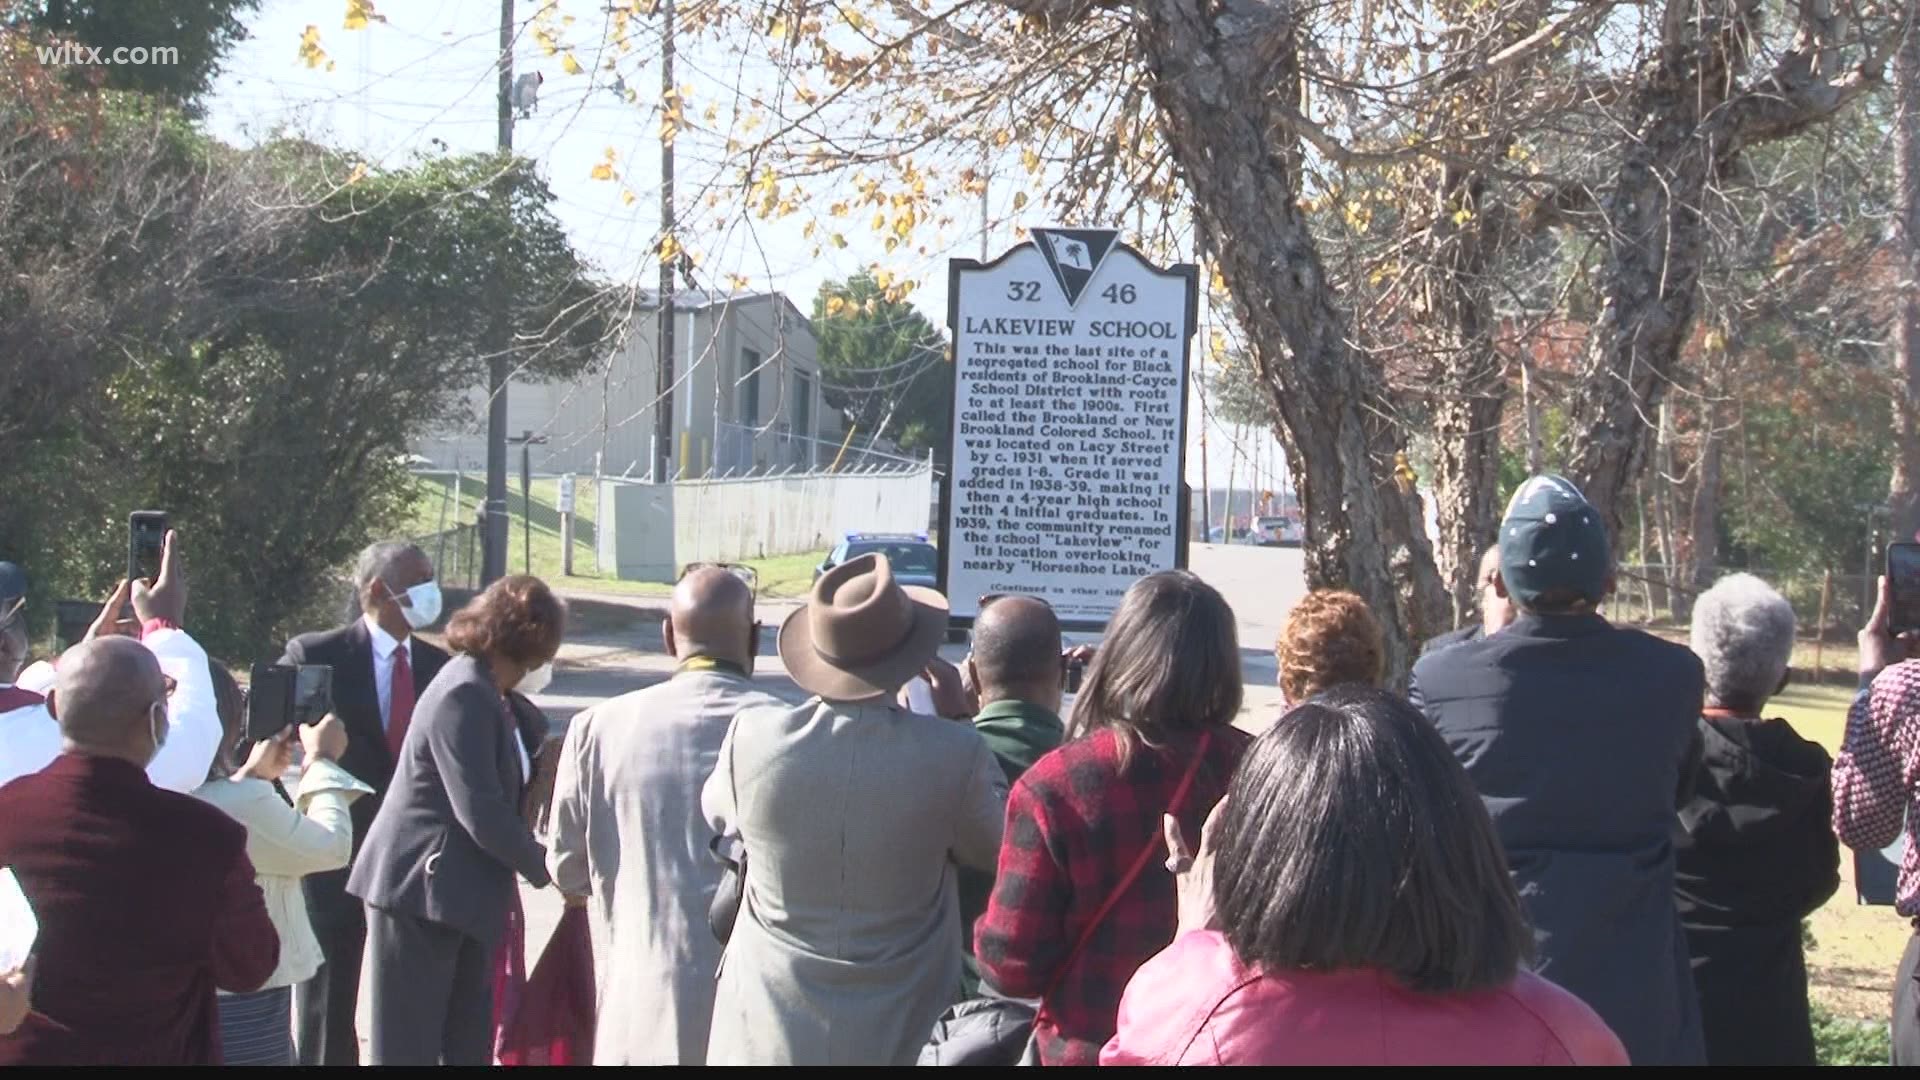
{"x": 199, "y": 33}
{"x": 248, "y": 339}
{"x": 883, "y": 363}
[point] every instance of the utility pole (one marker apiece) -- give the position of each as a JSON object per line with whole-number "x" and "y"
{"x": 498, "y": 367}
{"x": 669, "y": 256}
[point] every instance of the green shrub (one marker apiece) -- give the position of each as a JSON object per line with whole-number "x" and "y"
{"x": 1839, "y": 1040}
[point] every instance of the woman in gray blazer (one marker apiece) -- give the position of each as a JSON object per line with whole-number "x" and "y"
{"x": 853, "y": 813}
{"x": 437, "y": 868}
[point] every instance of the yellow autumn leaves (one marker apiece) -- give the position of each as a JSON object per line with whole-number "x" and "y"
{"x": 359, "y": 14}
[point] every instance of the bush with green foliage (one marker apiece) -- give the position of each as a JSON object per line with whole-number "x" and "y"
{"x": 267, "y": 399}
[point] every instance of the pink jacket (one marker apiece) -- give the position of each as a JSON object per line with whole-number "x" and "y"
{"x": 1196, "y": 1004}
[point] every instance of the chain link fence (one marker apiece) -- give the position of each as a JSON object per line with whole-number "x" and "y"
{"x": 1828, "y": 607}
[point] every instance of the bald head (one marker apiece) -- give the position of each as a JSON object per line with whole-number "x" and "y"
{"x": 105, "y": 696}
{"x": 712, "y": 616}
{"x": 1016, "y": 652}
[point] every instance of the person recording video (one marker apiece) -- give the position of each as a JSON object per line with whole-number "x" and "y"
{"x": 286, "y": 843}
{"x": 159, "y": 604}
{"x": 379, "y": 671}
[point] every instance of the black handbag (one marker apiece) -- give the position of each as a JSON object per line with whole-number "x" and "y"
{"x": 998, "y": 1031}
{"x": 731, "y": 896}
{"x": 992, "y": 1031}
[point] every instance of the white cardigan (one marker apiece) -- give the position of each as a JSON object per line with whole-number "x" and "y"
{"x": 286, "y": 844}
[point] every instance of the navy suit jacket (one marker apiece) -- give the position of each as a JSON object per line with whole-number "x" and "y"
{"x": 356, "y": 701}
{"x": 1582, "y": 739}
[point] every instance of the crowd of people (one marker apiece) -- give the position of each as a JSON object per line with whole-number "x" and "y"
{"x": 1568, "y": 842}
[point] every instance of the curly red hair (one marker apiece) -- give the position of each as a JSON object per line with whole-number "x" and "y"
{"x": 517, "y": 618}
{"x": 1331, "y": 638}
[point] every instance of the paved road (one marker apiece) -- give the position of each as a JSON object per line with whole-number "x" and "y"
{"x": 615, "y": 645}
{"x": 610, "y": 655}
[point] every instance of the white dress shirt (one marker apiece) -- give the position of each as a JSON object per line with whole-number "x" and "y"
{"x": 384, "y": 645}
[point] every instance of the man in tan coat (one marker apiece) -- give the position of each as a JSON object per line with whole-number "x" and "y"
{"x": 628, "y": 833}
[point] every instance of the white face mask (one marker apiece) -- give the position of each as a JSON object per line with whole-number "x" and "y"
{"x": 422, "y": 607}
{"x": 536, "y": 680}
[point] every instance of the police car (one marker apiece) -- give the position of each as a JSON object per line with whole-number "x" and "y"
{"x": 915, "y": 560}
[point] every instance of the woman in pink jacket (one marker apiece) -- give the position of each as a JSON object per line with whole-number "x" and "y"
{"x": 1350, "y": 906}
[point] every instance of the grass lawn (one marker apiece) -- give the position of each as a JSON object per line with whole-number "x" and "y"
{"x": 435, "y": 509}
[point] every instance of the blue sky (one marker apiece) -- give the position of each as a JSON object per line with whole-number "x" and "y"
{"x": 424, "y": 82}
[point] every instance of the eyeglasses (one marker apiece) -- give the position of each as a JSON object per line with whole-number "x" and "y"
{"x": 745, "y": 573}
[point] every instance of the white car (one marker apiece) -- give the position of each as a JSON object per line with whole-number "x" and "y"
{"x": 1275, "y": 532}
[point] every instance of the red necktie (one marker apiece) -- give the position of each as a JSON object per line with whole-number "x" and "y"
{"x": 399, "y": 700}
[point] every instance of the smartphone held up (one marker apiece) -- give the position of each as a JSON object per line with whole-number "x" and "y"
{"x": 146, "y": 542}
{"x": 280, "y": 696}
{"x": 1903, "y": 588}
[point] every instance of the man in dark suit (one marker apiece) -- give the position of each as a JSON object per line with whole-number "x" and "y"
{"x": 1582, "y": 739}
{"x": 146, "y": 898}
{"x": 379, "y": 672}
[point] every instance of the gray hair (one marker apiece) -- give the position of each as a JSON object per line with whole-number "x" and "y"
{"x": 1743, "y": 633}
{"x": 377, "y": 561}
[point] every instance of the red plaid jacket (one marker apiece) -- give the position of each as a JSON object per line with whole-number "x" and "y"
{"x": 1075, "y": 824}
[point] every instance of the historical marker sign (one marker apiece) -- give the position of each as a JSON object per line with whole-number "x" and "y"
{"x": 1069, "y": 423}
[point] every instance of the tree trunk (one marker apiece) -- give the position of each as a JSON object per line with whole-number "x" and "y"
{"x": 1903, "y": 495}
{"x": 1530, "y": 402}
{"x": 1704, "y": 523}
{"x": 1663, "y": 513}
{"x": 1226, "y": 82}
{"x": 1656, "y": 236}
{"x": 1469, "y": 390}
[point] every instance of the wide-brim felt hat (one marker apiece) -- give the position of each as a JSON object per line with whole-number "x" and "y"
{"x": 862, "y": 635}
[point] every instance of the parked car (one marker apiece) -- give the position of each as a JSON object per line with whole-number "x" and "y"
{"x": 915, "y": 560}
{"x": 1218, "y": 535}
{"x": 1276, "y": 532}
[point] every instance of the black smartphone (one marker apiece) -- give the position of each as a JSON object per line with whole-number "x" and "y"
{"x": 280, "y": 696}
{"x": 1903, "y": 582}
{"x": 71, "y": 621}
{"x": 1076, "y": 670}
{"x": 146, "y": 540}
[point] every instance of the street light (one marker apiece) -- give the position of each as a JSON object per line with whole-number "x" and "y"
{"x": 526, "y": 440}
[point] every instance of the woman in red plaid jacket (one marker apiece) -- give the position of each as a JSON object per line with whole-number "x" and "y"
{"x": 1155, "y": 736}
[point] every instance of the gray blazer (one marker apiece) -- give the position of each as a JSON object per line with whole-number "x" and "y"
{"x": 450, "y": 836}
